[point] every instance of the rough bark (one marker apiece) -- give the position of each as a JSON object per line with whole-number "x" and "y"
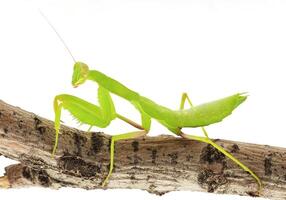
{"x": 156, "y": 164}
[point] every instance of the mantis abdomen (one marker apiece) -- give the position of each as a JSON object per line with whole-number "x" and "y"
{"x": 211, "y": 112}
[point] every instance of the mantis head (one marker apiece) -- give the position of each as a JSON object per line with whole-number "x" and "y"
{"x": 80, "y": 74}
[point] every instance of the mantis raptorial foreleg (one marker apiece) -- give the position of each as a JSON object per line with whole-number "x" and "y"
{"x": 84, "y": 111}
{"x": 218, "y": 147}
{"x": 99, "y": 116}
{"x": 87, "y": 113}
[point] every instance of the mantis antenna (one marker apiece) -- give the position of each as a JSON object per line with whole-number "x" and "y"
{"x": 59, "y": 36}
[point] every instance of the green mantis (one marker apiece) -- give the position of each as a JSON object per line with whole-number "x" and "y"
{"x": 174, "y": 120}
{"x": 101, "y": 115}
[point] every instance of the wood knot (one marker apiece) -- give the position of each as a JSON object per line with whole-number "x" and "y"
{"x": 209, "y": 180}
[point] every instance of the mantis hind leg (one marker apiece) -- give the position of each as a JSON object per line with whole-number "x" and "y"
{"x": 206, "y": 139}
{"x": 227, "y": 154}
{"x": 182, "y": 105}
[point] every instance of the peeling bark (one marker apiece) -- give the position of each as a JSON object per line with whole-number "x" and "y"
{"x": 156, "y": 164}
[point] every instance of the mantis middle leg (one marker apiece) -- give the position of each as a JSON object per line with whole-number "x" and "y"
{"x": 124, "y": 136}
{"x": 146, "y": 123}
{"x": 218, "y": 147}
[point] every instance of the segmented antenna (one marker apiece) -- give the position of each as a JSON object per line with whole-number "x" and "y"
{"x": 59, "y": 36}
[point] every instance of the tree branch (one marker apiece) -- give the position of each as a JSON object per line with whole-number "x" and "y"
{"x": 156, "y": 164}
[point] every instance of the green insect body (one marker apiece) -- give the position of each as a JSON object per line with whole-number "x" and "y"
{"x": 174, "y": 120}
{"x": 212, "y": 112}
{"x": 101, "y": 115}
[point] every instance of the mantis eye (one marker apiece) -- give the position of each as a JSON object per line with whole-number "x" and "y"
{"x": 80, "y": 73}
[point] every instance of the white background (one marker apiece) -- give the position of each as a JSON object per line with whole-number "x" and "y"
{"x": 209, "y": 49}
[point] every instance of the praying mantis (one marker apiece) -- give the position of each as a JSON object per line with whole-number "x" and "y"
{"x": 174, "y": 120}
